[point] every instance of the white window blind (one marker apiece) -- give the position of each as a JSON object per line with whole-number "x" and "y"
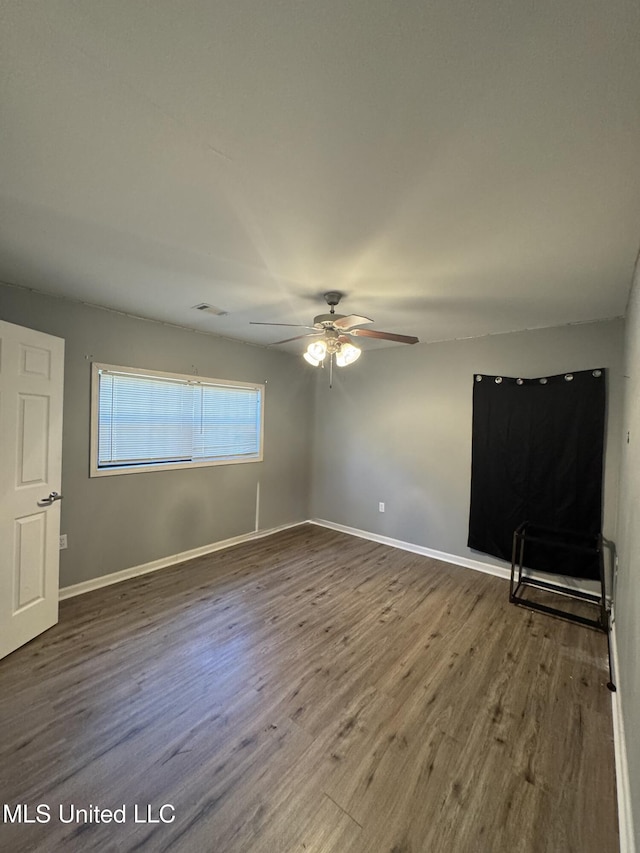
{"x": 147, "y": 419}
{"x": 227, "y": 421}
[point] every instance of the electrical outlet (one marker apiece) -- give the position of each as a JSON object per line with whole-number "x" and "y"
{"x": 63, "y": 541}
{"x": 381, "y": 506}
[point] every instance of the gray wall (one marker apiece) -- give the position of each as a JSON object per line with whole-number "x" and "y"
{"x": 396, "y": 427}
{"x": 627, "y": 601}
{"x": 115, "y": 523}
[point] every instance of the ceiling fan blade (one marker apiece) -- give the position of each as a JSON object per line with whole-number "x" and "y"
{"x": 351, "y": 321}
{"x": 385, "y": 336}
{"x": 297, "y": 338}
{"x": 294, "y": 325}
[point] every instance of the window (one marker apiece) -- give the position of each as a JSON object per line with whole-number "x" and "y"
{"x": 142, "y": 421}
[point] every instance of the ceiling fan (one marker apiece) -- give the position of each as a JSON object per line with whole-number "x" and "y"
{"x": 332, "y": 333}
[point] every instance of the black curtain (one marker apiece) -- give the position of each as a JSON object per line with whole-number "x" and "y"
{"x": 537, "y": 456}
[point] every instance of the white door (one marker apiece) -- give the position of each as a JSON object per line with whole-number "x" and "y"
{"x": 31, "y": 379}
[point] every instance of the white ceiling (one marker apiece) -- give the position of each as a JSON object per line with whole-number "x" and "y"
{"x": 456, "y": 167}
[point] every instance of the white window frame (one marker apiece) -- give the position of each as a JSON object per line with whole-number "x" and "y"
{"x": 96, "y": 471}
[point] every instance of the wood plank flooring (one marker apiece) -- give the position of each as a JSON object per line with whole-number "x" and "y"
{"x": 310, "y": 692}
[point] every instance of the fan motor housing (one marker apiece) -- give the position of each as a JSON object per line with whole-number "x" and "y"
{"x": 326, "y": 320}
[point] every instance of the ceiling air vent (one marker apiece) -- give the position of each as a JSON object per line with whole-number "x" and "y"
{"x": 210, "y": 309}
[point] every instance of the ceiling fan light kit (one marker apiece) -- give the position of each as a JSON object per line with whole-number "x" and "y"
{"x": 332, "y": 332}
{"x": 345, "y": 352}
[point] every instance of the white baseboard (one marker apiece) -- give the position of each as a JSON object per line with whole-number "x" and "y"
{"x": 503, "y": 571}
{"x": 165, "y": 562}
{"x": 623, "y": 786}
{"x": 468, "y": 563}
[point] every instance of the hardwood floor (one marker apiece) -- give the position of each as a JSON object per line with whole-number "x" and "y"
{"x": 310, "y": 692}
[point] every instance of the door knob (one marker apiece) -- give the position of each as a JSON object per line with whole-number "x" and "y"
{"x": 53, "y": 496}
